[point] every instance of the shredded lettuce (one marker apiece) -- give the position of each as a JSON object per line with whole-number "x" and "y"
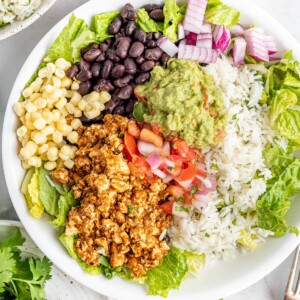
{"x": 194, "y": 262}
{"x": 173, "y": 16}
{"x": 221, "y": 14}
{"x": 101, "y": 23}
{"x": 246, "y": 240}
{"x": 145, "y": 22}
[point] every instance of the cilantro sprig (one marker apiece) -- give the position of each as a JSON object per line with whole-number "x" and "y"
{"x": 21, "y": 278}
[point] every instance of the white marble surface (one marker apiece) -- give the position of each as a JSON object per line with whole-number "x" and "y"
{"x": 15, "y": 50}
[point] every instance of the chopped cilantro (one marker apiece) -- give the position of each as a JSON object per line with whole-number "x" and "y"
{"x": 171, "y": 168}
{"x": 194, "y": 190}
{"x": 122, "y": 133}
{"x": 207, "y": 235}
{"x": 180, "y": 199}
{"x": 181, "y": 209}
{"x": 131, "y": 209}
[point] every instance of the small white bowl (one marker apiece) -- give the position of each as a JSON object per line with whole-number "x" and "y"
{"x": 16, "y": 26}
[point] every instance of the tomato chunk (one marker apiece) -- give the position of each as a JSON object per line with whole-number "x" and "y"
{"x": 130, "y": 147}
{"x": 182, "y": 147}
{"x": 133, "y": 129}
{"x": 188, "y": 173}
{"x": 167, "y": 207}
{"x": 175, "y": 191}
{"x": 150, "y": 137}
{"x": 139, "y": 166}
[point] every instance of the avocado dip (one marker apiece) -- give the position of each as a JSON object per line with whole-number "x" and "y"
{"x": 182, "y": 98}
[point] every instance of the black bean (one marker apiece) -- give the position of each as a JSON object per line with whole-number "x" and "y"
{"x": 95, "y": 68}
{"x": 129, "y": 107}
{"x": 143, "y": 77}
{"x": 84, "y": 65}
{"x": 149, "y": 35}
{"x": 157, "y": 35}
{"x": 157, "y": 63}
{"x": 103, "y": 85}
{"x": 151, "y": 7}
{"x": 139, "y": 60}
{"x": 147, "y": 65}
{"x": 157, "y": 15}
{"x": 103, "y": 47}
{"x": 89, "y": 47}
{"x": 101, "y": 57}
{"x": 115, "y": 26}
{"x": 72, "y": 71}
{"x": 85, "y": 120}
{"x": 164, "y": 58}
{"x": 115, "y": 93}
{"x": 98, "y": 119}
{"x": 131, "y": 116}
{"x": 119, "y": 110}
{"x": 130, "y": 66}
{"x": 151, "y": 44}
{"x": 130, "y": 28}
{"x": 123, "y": 45}
{"x": 106, "y": 69}
{"x": 125, "y": 92}
{"x": 140, "y": 36}
{"x": 117, "y": 71}
{"x": 84, "y": 75}
{"x": 121, "y": 82}
{"x": 128, "y": 12}
{"x": 112, "y": 55}
{"x": 153, "y": 54}
{"x": 92, "y": 54}
{"x": 85, "y": 87}
{"x": 108, "y": 41}
{"x": 112, "y": 104}
{"x": 136, "y": 49}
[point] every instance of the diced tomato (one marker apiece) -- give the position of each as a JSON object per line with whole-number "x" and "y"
{"x": 188, "y": 173}
{"x": 133, "y": 129}
{"x": 188, "y": 198}
{"x": 178, "y": 160}
{"x": 182, "y": 147}
{"x": 130, "y": 147}
{"x": 175, "y": 191}
{"x": 155, "y": 128}
{"x": 167, "y": 207}
{"x": 190, "y": 155}
{"x": 138, "y": 166}
{"x": 150, "y": 137}
{"x": 139, "y": 97}
{"x": 201, "y": 173}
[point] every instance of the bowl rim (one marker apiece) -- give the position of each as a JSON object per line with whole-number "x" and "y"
{"x": 17, "y": 26}
{"x": 224, "y": 291}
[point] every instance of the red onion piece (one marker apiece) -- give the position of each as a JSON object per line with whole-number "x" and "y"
{"x": 186, "y": 184}
{"x": 154, "y": 160}
{"x": 167, "y": 46}
{"x": 159, "y": 173}
{"x": 209, "y": 183}
{"x": 146, "y": 148}
{"x": 204, "y": 40}
{"x": 178, "y": 211}
{"x": 239, "y": 51}
{"x": 274, "y": 58}
{"x": 167, "y": 179}
{"x": 181, "y": 49}
{"x": 271, "y": 45}
{"x": 201, "y": 201}
{"x": 206, "y": 28}
{"x": 169, "y": 163}
{"x": 237, "y": 30}
{"x": 191, "y": 39}
{"x": 165, "y": 150}
{"x": 181, "y": 34}
{"x": 221, "y": 37}
{"x": 201, "y": 166}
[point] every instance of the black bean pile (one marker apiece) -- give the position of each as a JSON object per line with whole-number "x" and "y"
{"x": 120, "y": 63}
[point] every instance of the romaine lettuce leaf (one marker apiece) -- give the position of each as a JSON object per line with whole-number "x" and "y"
{"x": 145, "y": 22}
{"x": 101, "y": 23}
{"x": 172, "y": 17}
{"x": 246, "y": 240}
{"x": 221, "y": 14}
{"x": 168, "y": 275}
{"x": 194, "y": 262}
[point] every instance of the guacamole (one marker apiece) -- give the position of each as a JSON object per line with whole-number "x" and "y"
{"x": 182, "y": 98}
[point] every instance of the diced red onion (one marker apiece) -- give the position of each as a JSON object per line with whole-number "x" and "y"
{"x": 201, "y": 201}
{"x": 206, "y": 28}
{"x": 194, "y": 15}
{"x": 186, "y": 32}
{"x": 237, "y": 30}
{"x": 167, "y": 46}
{"x": 239, "y": 51}
{"x": 201, "y": 166}
{"x": 154, "y": 160}
{"x": 209, "y": 183}
{"x": 159, "y": 173}
{"x": 256, "y": 41}
{"x": 178, "y": 211}
{"x": 271, "y": 45}
{"x": 221, "y": 37}
{"x": 204, "y": 40}
{"x": 181, "y": 34}
{"x": 165, "y": 150}
{"x": 202, "y": 55}
{"x": 169, "y": 163}
{"x": 167, "y": 179}
{"x": 186, "y": 184}
{"x": 274, "y": 58}
{"x": 181, "y": 49}
{"x": 191, "y": 39}
{"x": 146, "y": 148}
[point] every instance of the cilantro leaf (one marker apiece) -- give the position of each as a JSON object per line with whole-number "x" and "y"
{"x": 5, "y": 278}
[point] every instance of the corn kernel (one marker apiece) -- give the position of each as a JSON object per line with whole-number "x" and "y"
{"x": 40, "y": 123}
{"x": 56, "y": 115}
{"x": 56, "y": 82}
{"x": 48, "y": 130}
{"x": 21, "y": 131}
{"x": 44, "y": 73}
{"x": 48, "y": 116}
{"x": 29, "y": 125}
{"x": 98, "y": 106}
{"x": 51, "y": 144}
{"x": 34, "y": 116}
{"x": 34, "y": 96}
{"x": 57, "y": 137}
{"x": 27, "y": 92}
{"x": 40, "y": 138}
{"x": 75, "y": 86}
{"x": 50, "y": 165}
{"x": 82, "y": 105}
{"x": 67, "y": 150}
{"x": 69, "y": 163}
{"x": 70, "y": 108}
{"x": 35, "y": 86}
{"x": 60, "y": 73}
{"x": 19, "y": 109}
{"x": 77, "y": 113}
{"x": 25, "y": 153}
{"x": 39, "y": 81}
{"x": 64, "y": 128}
{"x": 51, "y": 68}
{"x": 61, "y": 103}
{"x": 92, "y": 113}
{"x": 61, "y": 144}
{"x": 49, "y": 89}
{"x": 41, "y": 103}
{"x": 66, "y": 82}
{"x": 60, "y": 163}
{"x": 43, "y": 149}
{"x": 32, "y": 147}
{"x": 92, "y": 97}
{"x": 69, "y": 94}
{"x": 35, "y": 161}
{"x": 76, "y": 98}
{"x": 76, "y": 123}
{"x": 30, "y": 107}
{"x": 104, "y": 96}
{"x": 52, "y": 153}
{"x": 64, "y": 112}
{"x": 25, "y": 165}
{"x": 62, "y": 64}
{"x": 73, "y": 137}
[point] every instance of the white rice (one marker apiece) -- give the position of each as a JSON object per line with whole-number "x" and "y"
{"x": 239, "y": 166}
{"x": 11, "y": 10}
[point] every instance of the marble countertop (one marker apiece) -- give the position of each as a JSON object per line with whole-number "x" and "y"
{"x": 13, "y": 53}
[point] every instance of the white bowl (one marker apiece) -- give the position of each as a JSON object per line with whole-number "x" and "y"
{"x": 224, "y": 278}
{"x": 16, "y": 26}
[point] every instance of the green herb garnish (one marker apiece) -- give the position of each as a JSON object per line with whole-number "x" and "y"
{"x": 181, "y": 209}
{"x": 180, "y": 199}
{"x": 171, "y": 168}
{"x": 131, "y": 209}
{"x": 194, "y": 190}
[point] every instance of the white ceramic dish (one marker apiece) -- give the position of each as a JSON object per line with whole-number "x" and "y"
{"x": 60, "y": 286}
{"x": 224, "y": 278}
{"x": 17, "y": 26}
